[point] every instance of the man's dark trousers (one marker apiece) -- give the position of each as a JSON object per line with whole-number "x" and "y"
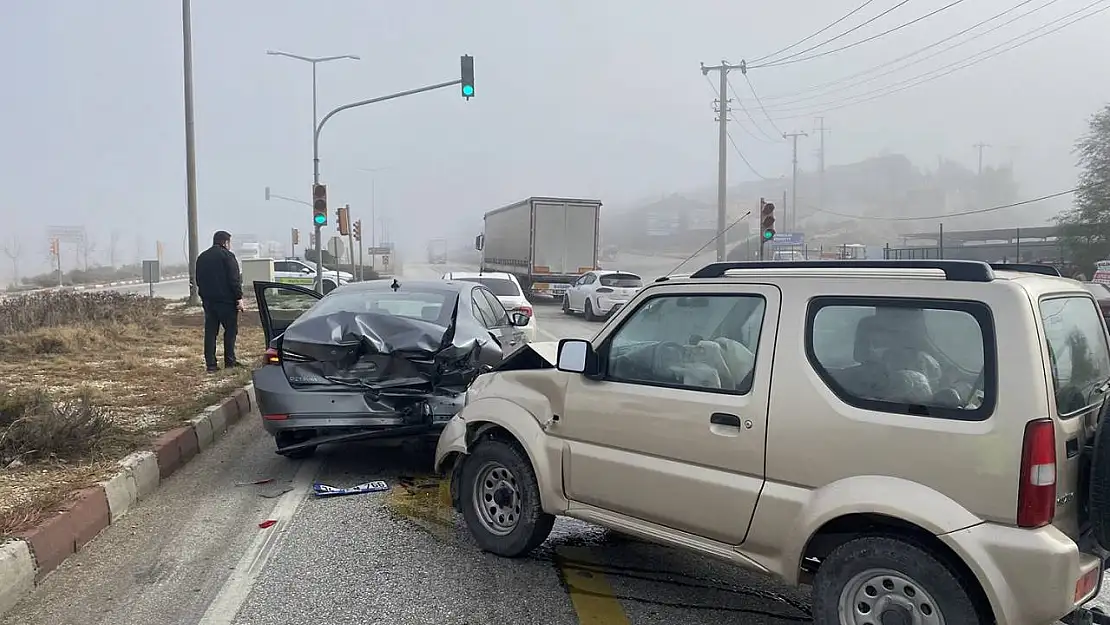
{"x": 217, "y": 314}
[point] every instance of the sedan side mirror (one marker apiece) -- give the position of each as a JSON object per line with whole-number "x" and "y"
{"x": 577, "y": 356}
{"x": 519, "y": 319}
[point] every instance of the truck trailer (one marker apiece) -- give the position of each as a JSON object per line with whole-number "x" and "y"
{"x": 546, "y": 242}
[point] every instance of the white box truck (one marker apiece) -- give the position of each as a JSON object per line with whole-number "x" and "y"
{"x": 546, "y": 242}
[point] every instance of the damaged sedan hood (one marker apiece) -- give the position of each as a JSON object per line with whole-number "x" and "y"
{"x": 383, "y": 352}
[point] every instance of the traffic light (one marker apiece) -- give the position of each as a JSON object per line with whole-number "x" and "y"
{"x": 320, "y": 205}
{"x": 767, "y": 220}
{"x": 296, "y": 236}
{"x": 342, "y": 215}
{"x": 357, "y": 232}
{"x": 467, "y": 76}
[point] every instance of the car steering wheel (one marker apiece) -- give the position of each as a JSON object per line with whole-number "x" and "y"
{"x": 665, "y": 355}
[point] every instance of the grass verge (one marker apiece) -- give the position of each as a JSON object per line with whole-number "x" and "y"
{"x": 86, "y": 379}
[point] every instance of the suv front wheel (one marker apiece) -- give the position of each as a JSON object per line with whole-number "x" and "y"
{"x": 500, "y": 499}
{"x": 878, "y": 579}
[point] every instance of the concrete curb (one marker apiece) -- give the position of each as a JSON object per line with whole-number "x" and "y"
{"x": 29, "y": 557}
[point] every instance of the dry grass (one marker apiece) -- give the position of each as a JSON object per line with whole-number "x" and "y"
{"x": 83, "y": 383}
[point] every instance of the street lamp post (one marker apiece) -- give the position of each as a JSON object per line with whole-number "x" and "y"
{"x": 190, "y": 154}
{"x": 315, "y": 60}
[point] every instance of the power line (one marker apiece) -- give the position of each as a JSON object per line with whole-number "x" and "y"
{"x": 977, "y": 211}
{"x": 746, "y": 112}
{"x": 801, "y": 41}
{"x": 760, "y": 102}
{"x": 789, "y": 97}
{"x": 788, "y": 60}
{"x": 951, "y": 68}
{"x": 742, "y": 108}
{"x": 744, "y": 158}
{"x": 832, "y": 39}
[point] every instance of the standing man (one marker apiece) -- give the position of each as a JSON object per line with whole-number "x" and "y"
{"x": 220, "y": 284}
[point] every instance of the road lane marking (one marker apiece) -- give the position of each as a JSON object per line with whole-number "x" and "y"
{"x": 233, "y": 594}
{"x": 590, "y": 593}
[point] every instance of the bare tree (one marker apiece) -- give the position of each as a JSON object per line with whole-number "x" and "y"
{"x": 113, "y": 248}
{"x": 13, "y": 249}
{"x": 86, "y": 247}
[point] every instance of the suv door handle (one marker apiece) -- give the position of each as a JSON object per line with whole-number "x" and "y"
{"x": 723, "y": 418}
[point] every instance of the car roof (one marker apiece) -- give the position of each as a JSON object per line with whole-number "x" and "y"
{"x": 413, "y": 286}
{"x": 496, "y": 275}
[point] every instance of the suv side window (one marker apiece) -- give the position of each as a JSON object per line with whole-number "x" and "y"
{"x": 932, "y": 358}
{"x": 705, "y": 342}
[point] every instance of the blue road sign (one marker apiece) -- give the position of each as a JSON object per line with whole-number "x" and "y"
{"x": 787, "y": 239}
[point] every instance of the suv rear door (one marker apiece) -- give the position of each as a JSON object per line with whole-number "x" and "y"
{"x": 657, "y": 436}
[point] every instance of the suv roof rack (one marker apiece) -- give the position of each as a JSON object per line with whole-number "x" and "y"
{"x": 956, "y": 270}
{"x": 1044, "y": 270}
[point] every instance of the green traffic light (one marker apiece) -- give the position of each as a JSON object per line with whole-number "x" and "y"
{"x": 768, "y": 235}
{"x": 468, "y": 90}
{"x": 320, "y": 219}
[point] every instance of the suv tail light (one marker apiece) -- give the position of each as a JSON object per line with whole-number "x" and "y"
{"x": 604, "y": 289}
{"x": 1037, "y": 490}
{"x": 527, "y": 310}
{"x": 271, "y": 357}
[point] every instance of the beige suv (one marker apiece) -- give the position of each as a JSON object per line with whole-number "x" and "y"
{"x": 916, "y": 440}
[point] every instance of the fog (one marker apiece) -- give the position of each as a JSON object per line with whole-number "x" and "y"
{"x": 600, "y": 99}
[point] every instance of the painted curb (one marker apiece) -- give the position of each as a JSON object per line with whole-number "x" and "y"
{"x": 33, "y": 554}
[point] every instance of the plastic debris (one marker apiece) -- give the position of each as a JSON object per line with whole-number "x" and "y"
{"x": 323, "y": 490}
{"x": 256, "y": 482}
{"x": 267, "y": 523}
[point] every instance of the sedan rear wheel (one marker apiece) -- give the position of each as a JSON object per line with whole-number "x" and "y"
{"x": 588, "y": 311}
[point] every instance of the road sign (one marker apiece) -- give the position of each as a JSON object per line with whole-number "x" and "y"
{"x": 788, "y": 239}
{"x": 385, "y": 260}
{"x": 380, "y": 250}
{"x": 337, "y": 248}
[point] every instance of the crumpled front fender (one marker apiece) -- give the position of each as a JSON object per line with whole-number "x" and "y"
{"x": 452, "y": 441}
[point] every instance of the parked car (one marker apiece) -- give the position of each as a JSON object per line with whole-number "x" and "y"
{"x": 507, "y": 290}
{"x": 1102, "y": 296}
{"x": 915, "y": 440}
{"x": 598, "y": 294}
{"x": 374, "y": 360}
{"x": 296, "y": 271}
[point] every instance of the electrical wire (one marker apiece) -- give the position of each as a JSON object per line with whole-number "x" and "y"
{"x": 789, "y": 97}
{"x": 944, "y": 70}
{"x": 736, "y": 148}
{"x": 832, "y": 39}
{"x": 789, "y": 60}
{"x": 801, "y": 41}
{"x": 977, "y": 211}
{"x": 761, "y": 107}
{"x": 770, "y": 139}
{"x": 742, "y": 108}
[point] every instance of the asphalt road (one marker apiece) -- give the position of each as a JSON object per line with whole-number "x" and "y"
{"x": 194, "y": 553}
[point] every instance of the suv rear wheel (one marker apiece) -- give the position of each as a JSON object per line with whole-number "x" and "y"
{"x": 877, "y": 579}
{"x": 500, "y": 500}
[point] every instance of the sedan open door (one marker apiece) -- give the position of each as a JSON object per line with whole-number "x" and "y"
{"x": 280, "y": 304}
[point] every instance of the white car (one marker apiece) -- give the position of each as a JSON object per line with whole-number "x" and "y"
{"x": 507, "y": 289}
{"x": 299, "y": 272}
{"x": 599, "y": 293}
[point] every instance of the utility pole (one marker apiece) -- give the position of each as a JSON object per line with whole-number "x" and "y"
{"x": 722, "y": 109}
{"x": 190, "y": 152}
{"x": 821, "y": 130}
{"x": 980, "y": 146}
{"x": 792, "y": 216}
{"x": 350, "y": 240}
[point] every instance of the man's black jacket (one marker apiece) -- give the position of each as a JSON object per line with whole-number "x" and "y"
{"x": 218, "y": 276}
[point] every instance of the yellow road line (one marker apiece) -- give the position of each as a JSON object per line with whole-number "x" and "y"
{"x": 590, "y": 592}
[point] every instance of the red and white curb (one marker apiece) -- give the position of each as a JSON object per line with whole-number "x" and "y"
{"x": 27, "y": 558}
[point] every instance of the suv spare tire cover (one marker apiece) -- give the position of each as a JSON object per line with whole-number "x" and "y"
{"x": 1099, "y": 484}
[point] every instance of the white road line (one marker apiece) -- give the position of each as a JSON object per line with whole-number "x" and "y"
{"x": 231, "y": 597}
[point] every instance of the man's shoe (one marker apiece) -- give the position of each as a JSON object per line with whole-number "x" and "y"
{"x": 234, "y": 365}
{"x": 212, "y": 369}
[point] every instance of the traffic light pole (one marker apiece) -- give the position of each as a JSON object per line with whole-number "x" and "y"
{"x": 316, "y": 153}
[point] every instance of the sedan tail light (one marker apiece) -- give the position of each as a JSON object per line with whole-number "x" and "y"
{"x": 604, "y": 289}
{"x": 527, "y": 310}
{"x": 271, "y": 357}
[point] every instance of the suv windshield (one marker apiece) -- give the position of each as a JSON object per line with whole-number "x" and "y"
{"x": 1076, "y": 338}
{"x": 501, "y": 287}
{"x": 622, "y": 281}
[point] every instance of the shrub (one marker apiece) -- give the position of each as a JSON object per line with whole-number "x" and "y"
{"x": 52, "y": 309}
{"x": 68, "y": 430}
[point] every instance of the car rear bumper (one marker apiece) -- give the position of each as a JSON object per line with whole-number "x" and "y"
{"x": 1030, "y": 576}
{"x": 606, "y": 306}
{"x": 331, "y": 412}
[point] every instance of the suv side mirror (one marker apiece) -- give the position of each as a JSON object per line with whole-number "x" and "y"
{"x": 577, "y": 356}
{"x": 519, "y": 319}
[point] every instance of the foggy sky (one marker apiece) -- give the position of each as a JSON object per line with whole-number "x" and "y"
{"x": 601, "y": 98}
